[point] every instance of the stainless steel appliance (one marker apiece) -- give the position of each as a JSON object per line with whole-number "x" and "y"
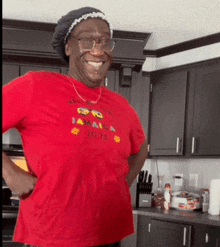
{"x": 9, "y": 217}
{"x": 11, "y": 143}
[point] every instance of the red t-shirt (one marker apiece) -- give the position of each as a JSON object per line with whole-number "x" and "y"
{"x": 78, "y": 152}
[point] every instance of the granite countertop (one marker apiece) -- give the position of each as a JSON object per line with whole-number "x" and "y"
{"x": 180, "y": 215}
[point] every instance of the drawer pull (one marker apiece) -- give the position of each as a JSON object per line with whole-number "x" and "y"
{"x": 184, "y": 236}
{"x": 149, "y": 225}
{"x": 193, "y": 145}
{"x": 177, "y": 145}
{"x": 207, "y": 238}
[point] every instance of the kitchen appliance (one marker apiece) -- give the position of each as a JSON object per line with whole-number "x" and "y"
{"x": 184, "y": 200}
{"x": 144, "y": 189}
{"x": 11, "y": 143}
{"x": 10, "y": 205}
{"x": 9, "y": 217}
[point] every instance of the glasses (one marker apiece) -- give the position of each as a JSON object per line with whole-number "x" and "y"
{"x": 89, "y": 43}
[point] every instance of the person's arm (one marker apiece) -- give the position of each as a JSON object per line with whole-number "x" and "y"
{"x": 19, "y": 181}
{"x": 136, "y": 162}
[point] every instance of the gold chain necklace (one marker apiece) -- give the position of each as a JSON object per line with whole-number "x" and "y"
{"x": 87, "y": 102}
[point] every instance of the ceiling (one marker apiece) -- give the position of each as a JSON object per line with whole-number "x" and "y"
{"x": 169, "y": 21}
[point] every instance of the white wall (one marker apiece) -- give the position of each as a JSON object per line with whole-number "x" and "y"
{"x": 207, "y": 169}
{"x": 169, "y": 21}
{"x": 181, "y": 58}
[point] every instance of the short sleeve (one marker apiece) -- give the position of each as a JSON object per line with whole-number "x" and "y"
{"x": 16, "y": 100}
{"x": 137, "y": 135}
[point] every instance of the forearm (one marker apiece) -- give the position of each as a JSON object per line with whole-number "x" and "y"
{"x": 20, "y": 182}
{"x": 136, "y": 163}
{"x": 8, "y": 167}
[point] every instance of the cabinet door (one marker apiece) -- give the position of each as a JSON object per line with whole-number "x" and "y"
{"x": 205, "y": 111}
{"x": 24, "y": 69}
{"x": 167, "y": 113}
{"x": 143, "y": 231}
{"x": 131, "y": 241}
{"x": 213, "y": 239}
{"x": 113, "y": 80}
{"x": 10, "y": 72}
{"x": 199, "y": 236}
{"x": 169, "y": 234}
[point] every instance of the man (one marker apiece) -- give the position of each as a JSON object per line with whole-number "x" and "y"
{"x": 83, "y": 143}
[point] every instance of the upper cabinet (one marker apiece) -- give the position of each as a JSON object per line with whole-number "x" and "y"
{"x": 204, "y": 111}
{"x": 167, "y": 113}
{"x": 185, "y": 111}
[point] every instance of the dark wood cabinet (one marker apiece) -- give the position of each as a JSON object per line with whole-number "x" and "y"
{"x": 169, "y": 234}
{"x": 24, "y": 69}
{"x": 167, "y": 115}
{"x": 10, "y": 72}
{"x": 184, "y": 111}
{"x": 153, "y": 231}
{"x": 213, "y": 237}
{"x": 143, "y": 231}
{"x": 157, "y": 233}
{"x": 199, "y": 236}
{"x": 131, "y": 240}
{"x": 205, "y": 236}
{"x": 204, "y": 111}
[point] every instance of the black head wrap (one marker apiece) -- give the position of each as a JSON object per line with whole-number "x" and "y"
{"x": 66, "y": 25}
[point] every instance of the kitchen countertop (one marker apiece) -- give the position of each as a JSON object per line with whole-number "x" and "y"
{"x": 173, "y": 214}
{"x": 182, "y": 216}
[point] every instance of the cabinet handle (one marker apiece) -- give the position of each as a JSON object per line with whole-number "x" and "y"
{"x": 207, "y": 238}
{"x": 149, "y": 225}
{"x": 193, "y": 145}
{"x": 177, "y": 145}
{"x": 184, "y": 236}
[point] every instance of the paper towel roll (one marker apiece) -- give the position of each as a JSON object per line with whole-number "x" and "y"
{"x": 214, "y": 198}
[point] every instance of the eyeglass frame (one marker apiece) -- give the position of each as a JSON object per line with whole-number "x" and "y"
{"x": 94, "y": 43}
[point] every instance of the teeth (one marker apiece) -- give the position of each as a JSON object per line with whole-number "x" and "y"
{"x": 94, "y": 64}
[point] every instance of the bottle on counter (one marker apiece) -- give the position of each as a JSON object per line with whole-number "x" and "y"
{"x": 159, "y": 196}
{"x": 167, "y": 196}
{"x": 205, "y": 200}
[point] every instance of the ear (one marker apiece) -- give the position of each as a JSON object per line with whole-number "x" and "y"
{"x": 67, "y": 49}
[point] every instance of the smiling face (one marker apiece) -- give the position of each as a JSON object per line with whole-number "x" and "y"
{"x": 89, "y": 66}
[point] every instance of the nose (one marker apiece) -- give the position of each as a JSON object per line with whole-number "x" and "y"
{"x": 97, "y": 50}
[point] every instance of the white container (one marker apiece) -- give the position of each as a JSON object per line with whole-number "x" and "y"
{"x": 214, "y": 197}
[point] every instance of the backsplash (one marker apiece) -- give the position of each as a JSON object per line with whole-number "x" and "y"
{"x": 207, "y": 169}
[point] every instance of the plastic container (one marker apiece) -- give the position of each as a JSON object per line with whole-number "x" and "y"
{"x": 205, "y": 207}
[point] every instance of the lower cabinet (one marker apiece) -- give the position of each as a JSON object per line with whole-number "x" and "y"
{"x": 163, "y": 233}
{"x": 143, "y": 232}
{"x": 131, "y": 240}
{"x": 158, "y": 233}
{"x": 153, "y": 232}
{"x": 205, "y": 236}
{"x": 199, "y": 236}
{"x": 213, "y": 237}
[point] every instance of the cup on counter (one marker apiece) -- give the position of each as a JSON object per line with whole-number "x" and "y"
{"x": 205, "y": 207}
